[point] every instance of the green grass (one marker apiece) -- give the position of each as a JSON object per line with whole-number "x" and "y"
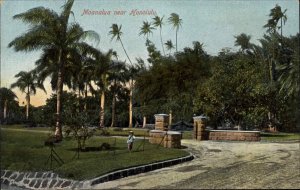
{"x": 20, "y": 126}
{"x": 25, "y": 151}
{"x": 279, "y": 136}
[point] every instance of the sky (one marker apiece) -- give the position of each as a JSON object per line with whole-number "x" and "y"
{"x": 211, "y": 22}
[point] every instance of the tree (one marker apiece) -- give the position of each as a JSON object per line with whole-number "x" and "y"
{"x": 7, "y": 98}
{"x": 176, "y": 22}
{"x": 243, "y": 40}
{"x": 117, "y": 78}
{"x": 158, "y": 22}
{"x": 276, "y": 14}
{"x": 116, "y": 33}
{"x": 169, "y": 46}
{"x": 104, "y": 62}
{"x": 146, "y": 29}
{"x": 28, "y": 83}
{"x": 58, "y": 39}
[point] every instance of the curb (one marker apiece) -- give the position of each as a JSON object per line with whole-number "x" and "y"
{"x": 50, "y": 180}
{"x": 139, "y": 169}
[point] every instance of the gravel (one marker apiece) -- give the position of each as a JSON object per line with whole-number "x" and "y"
{"x": 224, "y": 165}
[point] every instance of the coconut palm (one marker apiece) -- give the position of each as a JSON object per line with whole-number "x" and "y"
{"x": 169, "y": 45}
{"x": 117, "y": 33}
{"x": 100, "y": 64}
{"x": 276, "y": 14}
{"x": 58, "y": 39}
{"x": 28, "y": 83}
{"x": 117, "y": 78}
{"x": 243, "y": 40}
{"x": 7, "y": 97}
{"x": 158, "y": 22}
{"x": 146, "y": 29}
{"x": 176, "y": 22}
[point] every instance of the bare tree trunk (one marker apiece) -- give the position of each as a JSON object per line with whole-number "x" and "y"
{"x": 58, "y": 130}
{"x": 144, "y": 121}
{"x": 162, "y": 44}
{"x": 176, "y": 39}
{"x": 113, "y": 111}
{"x": 5, "y": 109}
{"x": 85, "y": 97}
{"x": 27, "y": 105}
{"x": 170, "y": 118}
{"x": 130, "y": 104}
{"x": 102, "y": 102}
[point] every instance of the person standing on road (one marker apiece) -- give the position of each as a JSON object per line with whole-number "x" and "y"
{"x": 130, "y": 140}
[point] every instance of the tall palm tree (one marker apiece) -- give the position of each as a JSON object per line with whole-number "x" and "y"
{"x": 176, "y": 22}
{"x": 59, "y": 40}
{"x": 146, "y": 29}
{"x": 7, "y": 96}
{"x": 276, "y": 14}
{"x": 169, "y": 45}
{"x": 100, "y": 65}
{"x": 117, "y": 33}
{"x": 158, "y": 22}
{"x": 28, "y": 83}
{"x": 117, "y": 78}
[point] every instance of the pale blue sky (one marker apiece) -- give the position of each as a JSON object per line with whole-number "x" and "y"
{"x": 212, "y": 22}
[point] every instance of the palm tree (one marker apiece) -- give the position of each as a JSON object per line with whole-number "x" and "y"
{"x": 7, "y": 96}
{"x": 58, "y": 39}
{"x": 116, "y": 33}
{"x": 158, "y": 22}
{"x": 146, "y": 29}
{"x": 117, "y": 78}
{"x": 276, "y": 14}
{"x": 243, "y": 40}
{"x": 169, "y": 46}
{"x": 176, "y": 22}
{"x": 100, "y": 64}
{"x": 28, "y": 83}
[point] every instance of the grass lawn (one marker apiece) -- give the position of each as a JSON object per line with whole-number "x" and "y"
{"x": 279, "y": 136}
{"x": 25, "y": 151}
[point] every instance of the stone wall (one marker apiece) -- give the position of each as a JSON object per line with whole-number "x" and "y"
{"x": 167, "y": 139}
{"x": 234, "y": 135}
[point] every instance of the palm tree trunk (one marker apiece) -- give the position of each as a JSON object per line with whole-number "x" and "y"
{"x": 58, "y": 130}
{"x": 27, "y": 106}
{"x": 113, "y": 111}
{"x": 281, "y": 28}
{"x": 176, "y": 39}
{"x": 5, "y": 109}
{"x": 85, "y": 97}
{"x": 125, "y": 51}
{"x": 144, "y": 121}
{"x": 170, "y": 118}
{"x": 162, "y": 44}
{"x": 102, "y": 102}
{"x": 130, "y": 105}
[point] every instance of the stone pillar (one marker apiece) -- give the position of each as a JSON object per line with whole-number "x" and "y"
{"x": 161, "y": 122}
{"x": 199, "y": 128}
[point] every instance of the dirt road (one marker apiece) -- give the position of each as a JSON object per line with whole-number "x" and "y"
{"x": 228, "y": 165}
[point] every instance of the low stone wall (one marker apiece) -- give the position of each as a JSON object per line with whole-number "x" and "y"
{"x": 168, "y": 139}
{"x": 234, "y": 135}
